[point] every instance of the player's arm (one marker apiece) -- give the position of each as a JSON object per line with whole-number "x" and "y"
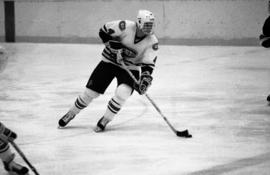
{"x": 110, "y": 35}
{"x": 147, "y": 69}
{"x": 265, "y": 37}
{"x": 112, "y": 31}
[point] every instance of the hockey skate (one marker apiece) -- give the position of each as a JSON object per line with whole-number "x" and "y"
{"x": 14, "y": 168}
{"x": 101, "y": 124}
{"x": 66, "y": 119}
{"x": 268, "y": 98}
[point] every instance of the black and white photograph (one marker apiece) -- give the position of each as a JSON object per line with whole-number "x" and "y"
{"x": 134, "y": 87}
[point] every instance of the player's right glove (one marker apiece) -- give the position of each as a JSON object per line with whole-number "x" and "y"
{"x": 6, "y": 135}
{"x": 145, "y": 82}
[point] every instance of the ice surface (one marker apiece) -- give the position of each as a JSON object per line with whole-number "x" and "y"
{"x": 218, "y": 93}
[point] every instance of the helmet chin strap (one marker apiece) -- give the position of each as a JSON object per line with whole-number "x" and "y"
{"x": 139, "y": 32}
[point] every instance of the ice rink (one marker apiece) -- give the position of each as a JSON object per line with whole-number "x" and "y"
{"x": 217, "y": 92}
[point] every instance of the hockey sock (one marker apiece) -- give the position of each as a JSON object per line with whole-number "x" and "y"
{"x": 121, "y": 95}
{"x": 113, "y": 108}
{"x": 5, "y": 151}
{"x": 83, "y": 100}
{"x": 10, "y": 165}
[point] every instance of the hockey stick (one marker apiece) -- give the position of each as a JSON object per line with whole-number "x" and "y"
{"x": 183, "y": 133}
{"x": 23, "y": 157}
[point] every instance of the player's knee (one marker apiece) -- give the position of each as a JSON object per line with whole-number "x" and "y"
{"x": 4, "y": 150}
{"x": 265, "y": 41}
{"x": 88, "y": 95}
{"x": 84, "y": 99}
{"x": 123, "y": 92}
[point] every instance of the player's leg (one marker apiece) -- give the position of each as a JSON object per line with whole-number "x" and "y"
{"x": 82, "y": 101}
{"x": 6, "y": 135}
{"x": 98, "y": 82}
{"x": 7, "y": 158}
{"x": 122, "y": 93}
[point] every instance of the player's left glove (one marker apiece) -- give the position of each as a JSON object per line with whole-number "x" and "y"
{"x": 145, "y": 82}
{"x": 6, "y": 135}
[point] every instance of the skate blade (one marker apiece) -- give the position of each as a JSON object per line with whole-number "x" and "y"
{"x": 98, "y": 129}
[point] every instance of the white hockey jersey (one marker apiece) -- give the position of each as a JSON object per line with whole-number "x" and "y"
{"x": 137, "y": 52}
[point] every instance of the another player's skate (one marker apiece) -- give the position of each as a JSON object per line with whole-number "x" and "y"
{"x": 101, "y": 124}
{"x": 268, "y": 98}
{"x": 15, "y": 168}
{"x": 66, "y": 119}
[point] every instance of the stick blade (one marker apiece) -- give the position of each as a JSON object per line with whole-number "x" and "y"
{"x": 184, "y": 133}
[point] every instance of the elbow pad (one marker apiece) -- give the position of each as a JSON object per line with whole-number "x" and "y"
{"x": 105, "y": 37}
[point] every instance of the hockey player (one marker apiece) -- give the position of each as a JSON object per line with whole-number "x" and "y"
{"x": 6, "y": 135}
{"x": 7, "y": 157}
{"x": 265, "y": 36}
{"x": 128, "y": 42}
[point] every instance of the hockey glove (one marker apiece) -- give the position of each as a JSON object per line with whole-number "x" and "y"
{"x": 6, "y": 135}
{"x": 146, "y": 80}
{"x": 265, "y": 41}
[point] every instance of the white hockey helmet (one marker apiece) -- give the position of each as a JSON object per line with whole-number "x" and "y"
{"x": 146, "y": 21}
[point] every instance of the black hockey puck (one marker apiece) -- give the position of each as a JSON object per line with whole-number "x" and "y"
{"x": 184, "y": 133}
